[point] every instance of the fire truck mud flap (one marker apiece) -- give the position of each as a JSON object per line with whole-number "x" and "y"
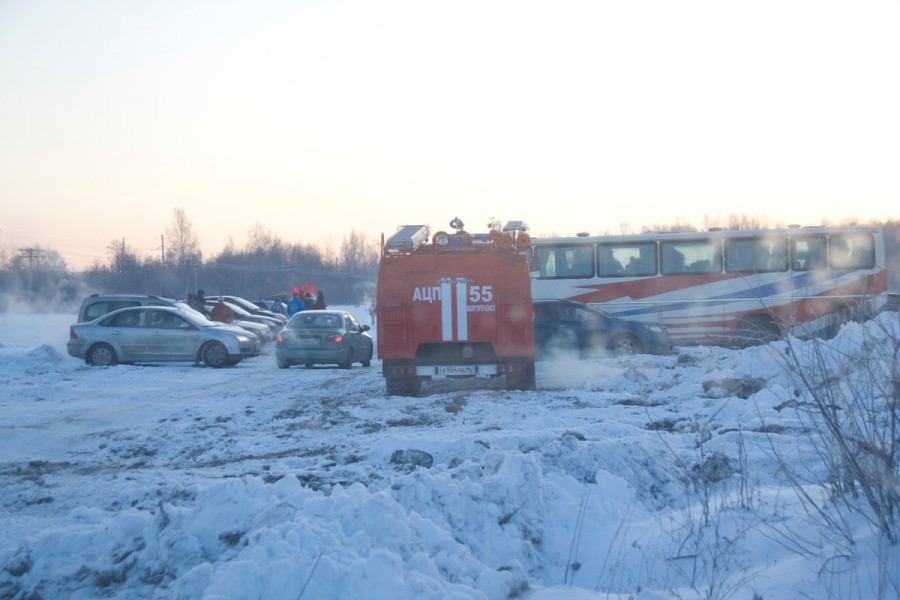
{"x": 403, "y": 386}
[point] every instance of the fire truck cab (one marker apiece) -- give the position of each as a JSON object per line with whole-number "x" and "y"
{"x": 455, "y": 305}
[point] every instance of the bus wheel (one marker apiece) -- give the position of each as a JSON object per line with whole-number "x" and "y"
{"x": 756, "y": 329}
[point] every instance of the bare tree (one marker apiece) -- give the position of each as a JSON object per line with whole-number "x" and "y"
{"x": 260, "y": 239}
{"x": 358, "y": 254}
{"x": 181, "y": 240}
{"x": 120, "y": 259}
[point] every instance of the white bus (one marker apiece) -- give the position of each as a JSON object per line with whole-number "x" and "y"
{"x": 721, "y": 286}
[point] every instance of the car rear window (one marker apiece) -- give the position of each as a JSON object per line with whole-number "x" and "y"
{"x": 319, "y": 320}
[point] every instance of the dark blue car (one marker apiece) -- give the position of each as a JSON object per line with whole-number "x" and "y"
{"x": 567, "y": 325}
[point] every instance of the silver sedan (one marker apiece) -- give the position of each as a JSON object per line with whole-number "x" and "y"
{"x": 159, "y": 333}
{"x": 315, "y": 337}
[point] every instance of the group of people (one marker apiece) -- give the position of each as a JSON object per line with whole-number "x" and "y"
{"x": 300, "y": 303}
{"x": 219, "y": 312}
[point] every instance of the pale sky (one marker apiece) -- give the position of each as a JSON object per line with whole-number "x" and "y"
{"x": 312, "y": 118}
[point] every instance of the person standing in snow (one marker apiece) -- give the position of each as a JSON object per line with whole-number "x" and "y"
{"x": 320, "y": 301}
{"x": 222, "y": 312}
{"x": 295, "y": 305}
{"x": 197, "y": 301}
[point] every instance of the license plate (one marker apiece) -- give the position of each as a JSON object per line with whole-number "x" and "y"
{"x": 458, "y": 370}
{"x": 308, "y": 341}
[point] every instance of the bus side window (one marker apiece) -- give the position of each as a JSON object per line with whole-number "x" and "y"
{"x": 623, "y": 259}
{"x": 851, "y": 251}
{"x": 545, "y": 262}
{"x": 579, "y": 262}
{"x": 672, "y": 260}
{"x": 607, "y": 263}
{"x": 808, "y": 253}
{"x": 777, "y": 255}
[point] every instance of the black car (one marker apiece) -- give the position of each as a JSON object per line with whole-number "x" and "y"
{"x": 567, "y": 325}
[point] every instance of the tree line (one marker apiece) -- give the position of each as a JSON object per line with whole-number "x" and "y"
{"x": 265, "y": 265}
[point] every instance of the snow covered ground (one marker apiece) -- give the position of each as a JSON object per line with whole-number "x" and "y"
{"x": 644, "y": 477}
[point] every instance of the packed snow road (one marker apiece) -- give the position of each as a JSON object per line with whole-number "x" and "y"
{"x": 170, "y": 425}
{"x": 181, "y": 481}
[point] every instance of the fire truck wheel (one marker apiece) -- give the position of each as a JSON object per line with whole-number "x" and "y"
{"x": 522, "y": 381}
{"x": 347, "y": 360}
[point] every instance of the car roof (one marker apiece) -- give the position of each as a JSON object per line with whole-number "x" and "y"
{"x": 561, "y": 301}
{"x": 126, "y": 296}
{"x": 166, "y": 308}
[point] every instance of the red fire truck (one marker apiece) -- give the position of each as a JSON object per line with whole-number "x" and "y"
{"x": 455, "y": 305}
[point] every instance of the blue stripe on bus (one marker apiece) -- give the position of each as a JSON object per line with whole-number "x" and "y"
{"x": 764, "y": 291}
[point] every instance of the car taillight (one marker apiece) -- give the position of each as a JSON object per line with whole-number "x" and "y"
{"x": 72, "y": 335}
{"x": 334, "y": 338}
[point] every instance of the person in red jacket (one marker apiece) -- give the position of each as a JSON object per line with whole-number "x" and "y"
{"x": 222, "y": 312}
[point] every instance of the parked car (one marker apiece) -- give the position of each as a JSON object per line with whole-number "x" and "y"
{"x": 159, "y": 333}
{"x": 260, "y": 330}
{"x": 97, "y": 305}
{"x": 315, "y": 337}
{"x": 275, "y": 306}
{"x": 251, "y": 307}
{"x": 567, "y": 325}
{"x": 272, "y": 323}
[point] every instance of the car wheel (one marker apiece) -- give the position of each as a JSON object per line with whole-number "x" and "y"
{"x": 625, "y": 345}
{"x": 102, "y": 355}
{"x": 348, "y": 360}
{"x": 283, "y": 364}
{"x": 368, "y": 361}
{"x": 215, "y": 355}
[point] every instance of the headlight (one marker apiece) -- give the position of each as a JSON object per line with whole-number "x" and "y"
{"x": 243, "y": 338}
{"x": 655, "y": 328}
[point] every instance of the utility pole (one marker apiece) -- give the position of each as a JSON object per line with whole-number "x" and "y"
{"x": 32, "y": 254}
{"x": 162, "y": 249}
